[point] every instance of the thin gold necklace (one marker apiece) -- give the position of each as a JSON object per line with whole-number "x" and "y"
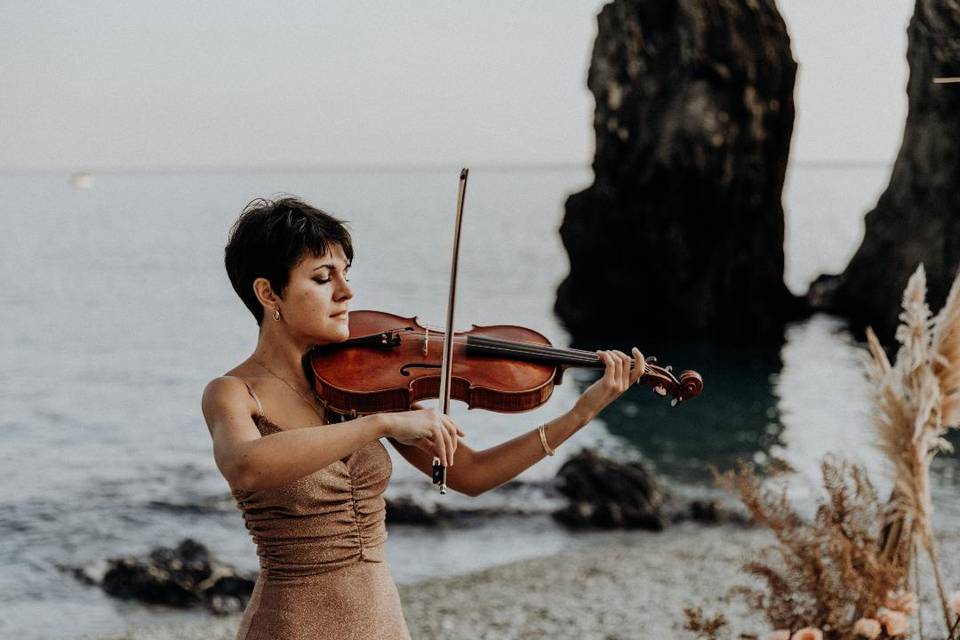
{"x": 292, "y": 388}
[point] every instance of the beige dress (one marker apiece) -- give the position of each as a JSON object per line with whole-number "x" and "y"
{"x": 320, "y": 542}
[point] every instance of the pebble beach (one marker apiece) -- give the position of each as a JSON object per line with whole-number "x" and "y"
{"x": 610, "y": 586}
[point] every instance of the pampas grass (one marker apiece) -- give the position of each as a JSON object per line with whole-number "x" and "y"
{"x": 916, "y": 402}
{"x": 853, "y": 561}
{"x": 827, "y": 573}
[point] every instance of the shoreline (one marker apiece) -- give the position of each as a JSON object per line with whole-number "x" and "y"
{"x": 606, "y": 586}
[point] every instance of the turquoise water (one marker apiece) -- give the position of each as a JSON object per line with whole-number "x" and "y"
{"x": 118, "y": 311}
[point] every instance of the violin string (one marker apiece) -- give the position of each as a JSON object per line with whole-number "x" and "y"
{"x": 501, "y": 351}
{"x": 519, "y": 347}
{"x": 506, "y": 351}
{"x": 504, "y": 347}
{"x": 592, "y": 355}
{"x": 527, "y": 348}
{"x": 565, "y": 354}
{"x": 530, "y": 348}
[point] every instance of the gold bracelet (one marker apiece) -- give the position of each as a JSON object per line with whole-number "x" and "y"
{"x": 543, "y": 440}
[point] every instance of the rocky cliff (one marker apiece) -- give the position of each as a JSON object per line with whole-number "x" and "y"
{"x": 681, "y": 232}
{"x": 917, "y": 219}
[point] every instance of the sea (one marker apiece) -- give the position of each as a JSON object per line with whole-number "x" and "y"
{"x": 118, "y": 311}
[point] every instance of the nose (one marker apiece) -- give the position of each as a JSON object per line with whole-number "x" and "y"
{"x": 344, "y": 290}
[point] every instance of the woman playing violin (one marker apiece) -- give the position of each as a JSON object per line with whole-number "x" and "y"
{"x": 311, "y": 487}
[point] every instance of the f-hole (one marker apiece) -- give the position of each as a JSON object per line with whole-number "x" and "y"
{"x": 404, "y": 370}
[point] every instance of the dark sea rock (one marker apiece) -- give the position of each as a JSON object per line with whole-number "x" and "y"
{"x": 682, "y": 231}
{"x": 404, "y": 510}
{"x": 609, "y": 495}
{"x": 709, "y": 512}
{"x": 184, "y": 576}
{"x": 917, "y": 219}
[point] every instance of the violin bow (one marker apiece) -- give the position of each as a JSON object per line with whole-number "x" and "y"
{"x": 446, "y": 370}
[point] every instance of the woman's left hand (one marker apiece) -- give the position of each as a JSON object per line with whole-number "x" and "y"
{"x": 617, "y": 378}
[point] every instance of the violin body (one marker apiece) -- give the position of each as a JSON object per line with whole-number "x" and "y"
{"x": 389, "y": 362}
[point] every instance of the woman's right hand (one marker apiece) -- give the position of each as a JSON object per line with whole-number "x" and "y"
{"x": 426, "y": 429}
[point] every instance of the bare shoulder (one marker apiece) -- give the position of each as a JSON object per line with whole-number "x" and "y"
{"x": 229, "y": 410}
{"x": 225, "y": 399}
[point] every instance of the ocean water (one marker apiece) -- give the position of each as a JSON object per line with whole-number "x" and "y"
{"x": 118, "y": 311}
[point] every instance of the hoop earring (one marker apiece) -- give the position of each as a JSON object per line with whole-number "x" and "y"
{"x": 276, "y": 314}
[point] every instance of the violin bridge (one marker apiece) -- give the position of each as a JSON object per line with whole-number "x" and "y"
{"x": 387, "y": 339}
{"x": 426, "y": 341}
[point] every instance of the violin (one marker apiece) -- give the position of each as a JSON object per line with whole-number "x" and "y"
{"x": 389, "y": 362}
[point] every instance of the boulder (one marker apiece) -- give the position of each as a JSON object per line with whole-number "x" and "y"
{"x": 609, "y": 495}
{"x": 917, "y": 219}
{"x": 184, "y": 576}
{"x": 681, "y": 233}
{"x": 405, "y": 511}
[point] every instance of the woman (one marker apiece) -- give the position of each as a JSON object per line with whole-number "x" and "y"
{"x": 311, "y": 491}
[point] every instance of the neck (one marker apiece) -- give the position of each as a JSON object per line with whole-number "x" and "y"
{"x": 483, "y": 345}
{"x": 281, "y": 353}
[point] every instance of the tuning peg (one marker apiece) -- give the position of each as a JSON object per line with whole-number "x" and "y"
{"x": 660, "y": 391}
{"x": 675, "y": 402}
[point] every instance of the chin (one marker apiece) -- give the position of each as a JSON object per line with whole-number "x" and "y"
{"x": 342, "y": 333}
{"x": 328, "y": 335}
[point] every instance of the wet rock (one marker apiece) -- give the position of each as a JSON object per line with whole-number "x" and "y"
{"x": 228, "y": 594}
{"x": 917, "y": 219}
{"x": 608, "y": 494}
{"x": 184, "y": 576}
{"x": 406, "y": 511}
{"x": 708, "y": 512}
{"x": 681, "y": 233}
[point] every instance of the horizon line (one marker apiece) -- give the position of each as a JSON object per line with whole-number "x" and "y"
{"x": 358, "y": 167}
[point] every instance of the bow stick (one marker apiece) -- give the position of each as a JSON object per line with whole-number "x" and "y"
{"x": 446, "y": 370}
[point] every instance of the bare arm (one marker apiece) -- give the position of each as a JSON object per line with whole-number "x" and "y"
{"x": 249, "y": 461}
{"x": 479, "y": 471}
{"x": 475, "y": 472}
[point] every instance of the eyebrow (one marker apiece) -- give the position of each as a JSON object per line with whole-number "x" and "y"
{"x": 330, "y": 266}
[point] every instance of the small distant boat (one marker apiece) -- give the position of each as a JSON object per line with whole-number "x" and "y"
{"x": 82, "y": 180}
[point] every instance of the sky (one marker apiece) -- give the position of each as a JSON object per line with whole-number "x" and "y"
{"x": 144, "y": 85}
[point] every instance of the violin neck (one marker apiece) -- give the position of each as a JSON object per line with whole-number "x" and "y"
{"x": 529, "y": 352}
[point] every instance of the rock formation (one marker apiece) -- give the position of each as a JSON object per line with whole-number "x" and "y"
{"x": 185, "y": 576}
{"x": 682, "y": 230}
{"x": 609, "y": 495}
{"x": 917, "y": 219}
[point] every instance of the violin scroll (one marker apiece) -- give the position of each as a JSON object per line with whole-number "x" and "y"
{"x": 663, "y": 382}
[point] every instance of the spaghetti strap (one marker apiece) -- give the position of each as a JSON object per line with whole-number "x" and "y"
{"x": 259, "y": 404}
{"x": 250, "y": 390}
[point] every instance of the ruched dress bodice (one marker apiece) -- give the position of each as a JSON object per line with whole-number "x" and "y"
{"x": 323, "y": 521}
{"x": 320, "y": 540}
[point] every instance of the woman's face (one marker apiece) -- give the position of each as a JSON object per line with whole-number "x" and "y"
{"x": 315, "y": 300}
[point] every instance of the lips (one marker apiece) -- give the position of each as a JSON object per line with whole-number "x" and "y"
{"x": 342, "y": 314}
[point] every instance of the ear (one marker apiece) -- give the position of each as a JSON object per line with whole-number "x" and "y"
{"x": 265, "y": 294}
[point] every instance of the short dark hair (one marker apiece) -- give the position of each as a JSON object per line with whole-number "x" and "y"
{"x": 271, "y": 237}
